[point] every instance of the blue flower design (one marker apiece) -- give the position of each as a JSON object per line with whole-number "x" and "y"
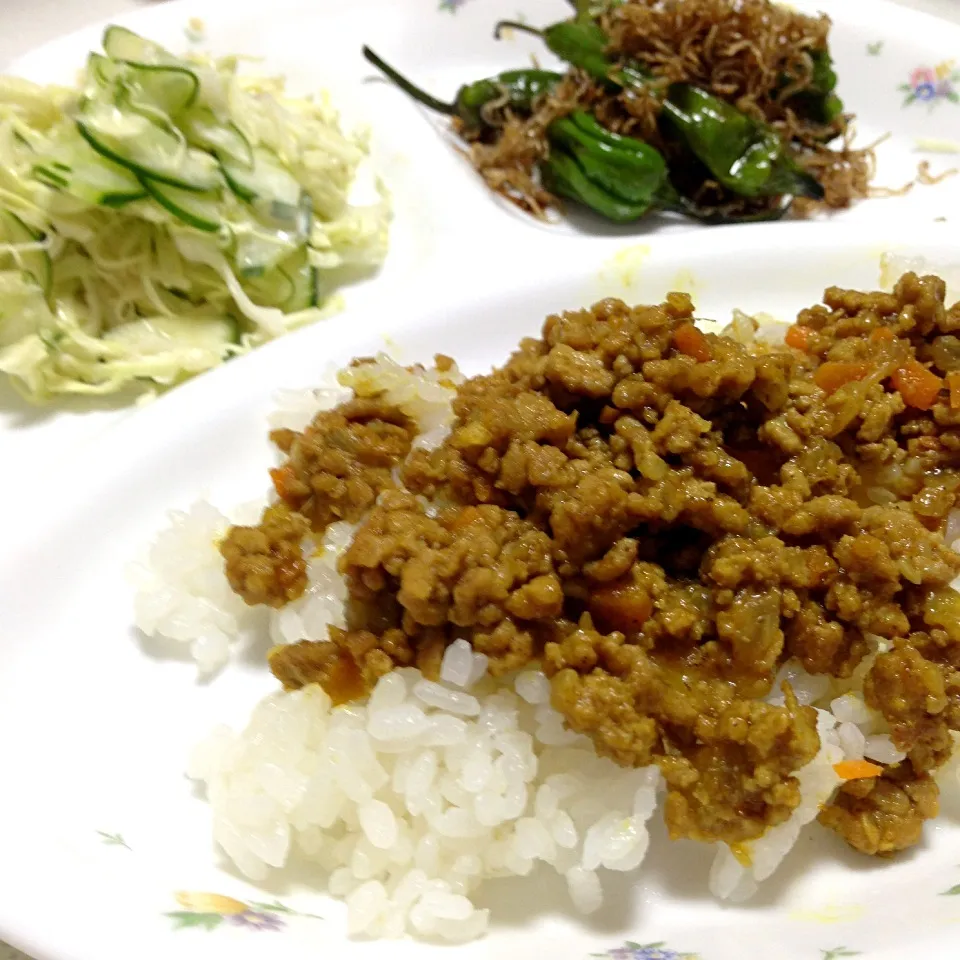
{"x": 255, "y": 920}
{"x": 930, "y": 85}
{"x": 647, "y": 951}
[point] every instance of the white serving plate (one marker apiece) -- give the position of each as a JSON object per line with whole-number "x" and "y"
{"x": 96, "y": 724}
{"x": 447, "y": 224}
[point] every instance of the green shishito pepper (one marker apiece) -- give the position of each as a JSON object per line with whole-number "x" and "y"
{"x": 745, "y": 156}
{"x": 618, "y": 177}
{"x": 818, "y": 101}
{"x": 520, "y": 88}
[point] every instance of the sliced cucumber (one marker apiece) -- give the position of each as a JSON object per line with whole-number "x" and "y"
{"x": 23, "y": 141}
{"x": 272, "y": 289}
{"x": 267, "y": 184}
{"x": 163, "y": 334}
{"x": 171, "y": 89}
{"x": 169, "y": 85}
{"x": 304, "y": 295}
{"x": 133, "y": 141}
{"x": 77, "y": 169}
{"x": 101, "y": 71}
{"x": 291, "y": 285}
{"x": 200, "y": 210}
{"x": 257, "y": 249}
{"x": 119, "y": 43}
{"x": 36, "y": 263}
{"x": 226, "y": 140}
{"x": 51, "y": 177}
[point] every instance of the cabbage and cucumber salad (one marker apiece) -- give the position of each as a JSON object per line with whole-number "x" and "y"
{"x": 167, "y": 215}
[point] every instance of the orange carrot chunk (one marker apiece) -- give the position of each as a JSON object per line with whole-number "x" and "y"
{"x": 857, "y": 769}
{"x": 283, "y": 479}
{"x": 798, "y": 337}
{"x": 917, "y": 385}
{"x": 691, "y": 341}
{"x": 623, "y": 607}
{"x": 953, "y": 382}
{"x": 833, "y": 374}
{"x": 883, "y": 335}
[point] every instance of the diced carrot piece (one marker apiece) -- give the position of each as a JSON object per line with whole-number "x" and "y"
{"x": 465, "y": 517}
{"x": 917, "y": 385}
{"x": 691, "y": 341}
{"x": 883, "y": 335}
{"x": 833, "y": 374}
{"x": 621, "y": 606}
{"x": 283, "y": 479}
{"x": 857, "y": 769}
{"x": 798, "y": 337}
{"x": 953, "y": 382}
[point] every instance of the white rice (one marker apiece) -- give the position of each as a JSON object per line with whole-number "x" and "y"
{"x": 294, "y": 409}
{"x": 758, "y": 329}
{"x": 181, "y": 591}
{"x": 425, "y": 393}
{"x": 894, "y": 265}
{"x": 321, "y": 606}
{"x": 411, "y": 800}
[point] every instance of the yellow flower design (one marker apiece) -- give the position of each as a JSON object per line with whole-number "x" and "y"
{"x": 831, "y": 913}
{"x": 210, "y": 903}
{"x": 943, "y": 70}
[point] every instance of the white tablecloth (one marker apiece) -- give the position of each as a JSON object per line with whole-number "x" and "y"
{"x": 28, "y": 23}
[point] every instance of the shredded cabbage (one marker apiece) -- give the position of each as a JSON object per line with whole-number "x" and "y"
{"x": 135, "y": 295}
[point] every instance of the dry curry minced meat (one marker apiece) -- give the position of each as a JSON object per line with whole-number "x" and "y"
{"x": 660, "y": 518}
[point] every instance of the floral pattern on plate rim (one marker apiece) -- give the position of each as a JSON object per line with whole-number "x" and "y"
{"x": 931, "y": 85}
{"x": 211, "y": 910}
{"x": 659, "y": 951}
{"x": 954, "y": 891}
{"x": 645, "y": 951}
{"x": 113, "y": 840}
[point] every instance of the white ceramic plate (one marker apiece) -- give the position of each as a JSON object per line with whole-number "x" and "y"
{"x": 886, "y": 56}
{"x": 98, "y": 826}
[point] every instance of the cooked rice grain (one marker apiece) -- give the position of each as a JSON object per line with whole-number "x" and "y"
{"x": 181, "y": 591}
{"x": 410, "y": 801}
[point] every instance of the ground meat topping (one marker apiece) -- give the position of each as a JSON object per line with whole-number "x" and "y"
{"x": 661, "y": 520}
{"x": 335, "y": 469}
{"x": 265, "y": 564}
{"x": 881, "y": 815}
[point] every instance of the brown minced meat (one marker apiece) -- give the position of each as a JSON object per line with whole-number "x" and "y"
{"x": 660, "y": 518}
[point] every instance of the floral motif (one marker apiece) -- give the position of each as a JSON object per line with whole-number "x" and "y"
{"x": 112, "y": 839}
{"x": 932, "y": 84}
{"x": 838, "y": 952}
{"x": 645, "y": 951}
{"x": 830, "y": 913}
{"x": 873, "y": 49}
{"x": 210, "y": 910}
{"x": 954, "y": 891}
{"x": 451, "y": 6}
{"x": 255, "y": 920}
